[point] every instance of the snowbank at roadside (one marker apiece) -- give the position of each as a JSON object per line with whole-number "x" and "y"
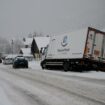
{"x": 35, "y": 65}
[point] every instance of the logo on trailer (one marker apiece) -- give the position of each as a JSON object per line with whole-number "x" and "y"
{"x": 65, "y": 41}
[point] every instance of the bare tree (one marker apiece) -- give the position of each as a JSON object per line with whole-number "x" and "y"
{"x": 30, "y": 35}
{"x": 37, "y": 34}
{"x": 5, "y": 46}
{"x": 17, "y": 45}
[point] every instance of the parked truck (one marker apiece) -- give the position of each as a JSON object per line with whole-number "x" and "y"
{"x": 80, "y": 50}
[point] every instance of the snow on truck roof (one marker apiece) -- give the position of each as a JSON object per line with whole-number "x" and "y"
{"x": 79, "y": 31}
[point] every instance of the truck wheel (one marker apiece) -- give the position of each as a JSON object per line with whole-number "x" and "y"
{"x": 13, "y": 66}
{"x": 43, "y": 66}
{"x": 26, "y": 66}
{"x": 66, "y": 66}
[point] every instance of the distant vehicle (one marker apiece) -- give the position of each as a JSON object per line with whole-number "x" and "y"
{"x": 7, "y": 61}
{"x": 20, "y": 62}
{"x": 79, "y": 50}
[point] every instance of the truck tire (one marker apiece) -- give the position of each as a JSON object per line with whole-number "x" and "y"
{"x": 43, "y": 65}
{"x": 26, "y": 66}
{"x": 66, "y": 66}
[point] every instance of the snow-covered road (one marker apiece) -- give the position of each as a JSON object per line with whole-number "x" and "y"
{"x": 38, "y": 87}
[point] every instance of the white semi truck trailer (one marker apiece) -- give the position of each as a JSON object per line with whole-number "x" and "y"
{"x": 79, "y": 50}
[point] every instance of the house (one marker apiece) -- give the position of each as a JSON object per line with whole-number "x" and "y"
{"x": 40, "y": 42}
{"x": 27, "y": 42}
{"x": 26, "y": 52}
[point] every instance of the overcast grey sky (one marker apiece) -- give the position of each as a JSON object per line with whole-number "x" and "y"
{"x": 21, "y": 17}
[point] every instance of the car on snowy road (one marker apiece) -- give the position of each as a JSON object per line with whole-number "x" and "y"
{"x": 20, "y": 62}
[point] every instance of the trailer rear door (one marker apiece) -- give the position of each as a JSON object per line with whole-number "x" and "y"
{"x": 89, "y": 44}
{"x": 97, "y": 46}
{"x": 103, "y": 55}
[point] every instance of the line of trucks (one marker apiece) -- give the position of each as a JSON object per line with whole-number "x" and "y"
{"x": 76, "y": 51}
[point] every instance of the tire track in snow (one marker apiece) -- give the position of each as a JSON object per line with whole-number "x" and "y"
{"x": 85, "y": 97}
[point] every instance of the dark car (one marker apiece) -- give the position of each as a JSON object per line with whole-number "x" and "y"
{"x": 20, "y": 62}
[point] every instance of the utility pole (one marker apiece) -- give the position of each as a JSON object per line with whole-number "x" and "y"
{"x": 12, "y": 46}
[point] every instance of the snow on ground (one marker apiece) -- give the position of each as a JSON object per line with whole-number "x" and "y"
{"x": 35, "y": 65}
{"x": 90, "y": 74}
{"x": 3, "y": 97}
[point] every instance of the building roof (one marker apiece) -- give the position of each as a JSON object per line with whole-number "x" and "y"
{"x": 40, "y": 41}
{"x": 26, "y": 50}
